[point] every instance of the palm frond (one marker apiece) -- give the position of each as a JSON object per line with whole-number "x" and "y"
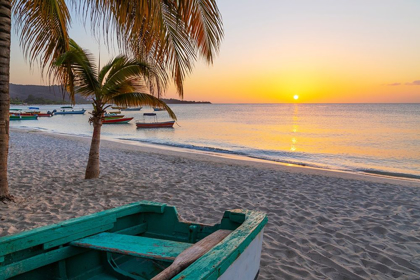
{"x": 169, "y": 33}
{"x": 43, "y": 29}
{"x": 81, "y": 73}
{"x": 141, "y": 99}
{"x": 139, "y": 74}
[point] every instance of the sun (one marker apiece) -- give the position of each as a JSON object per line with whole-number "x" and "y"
{"x": 296, "y": 97}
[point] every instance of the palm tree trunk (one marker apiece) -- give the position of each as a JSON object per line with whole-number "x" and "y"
{"x": 5, "y": 28}
{"x": 92, "y": 169}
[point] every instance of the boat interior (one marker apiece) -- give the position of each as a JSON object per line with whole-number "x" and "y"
{"x": 136, "y": 241}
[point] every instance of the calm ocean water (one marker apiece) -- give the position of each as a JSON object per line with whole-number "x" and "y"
{"x": 378, "y": 138}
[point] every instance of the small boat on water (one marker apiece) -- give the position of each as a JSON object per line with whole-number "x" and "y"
{"x": 33, "y": 108}
{"x": 117, "y": 107}
{"x": 113, "y": 116}
{"x": 158, "y": 109}
{"x": 66, "y": 107}
{"x": 131, "y": 109}
{"x": 47, "y": 114}
{"x": 22, "y": 118}
{"x": 143, "y": 240}
{"x": 116, "y": 120}
{"x": 72, "y": 112}
{"x": 155, "y": 123}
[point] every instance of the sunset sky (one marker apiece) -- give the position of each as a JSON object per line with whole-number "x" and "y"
{"x": 322, "y": 51}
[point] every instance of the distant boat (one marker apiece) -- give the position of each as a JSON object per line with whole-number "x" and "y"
{"x": 15, "y": 109}
{"x": 158, "y": 109}
{"x": 155, "y": 123}
{"x": 142, "y": 240}
{"x": 118, "y": 107}
{"x": 33, "y": 108}
{"x": 131, "y": 109}
{"x": 48, "y": 114}
{"x": 22, "y": 118}
{"x": 66, "y": 107}
{"x": 113, "y": 116}
{"x": 117, "y": 121}
{"x": 72, "y": 112}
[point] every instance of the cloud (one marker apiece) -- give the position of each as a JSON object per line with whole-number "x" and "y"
{"x": 414, "y": 83}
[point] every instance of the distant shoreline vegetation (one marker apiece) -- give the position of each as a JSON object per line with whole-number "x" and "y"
{"x": 176, "y": 101}
{"x": 47, "y": 95}
{"x": 42, "y": 101}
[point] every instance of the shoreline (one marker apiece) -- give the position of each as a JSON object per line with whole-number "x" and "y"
{"x": 374, "y": 176}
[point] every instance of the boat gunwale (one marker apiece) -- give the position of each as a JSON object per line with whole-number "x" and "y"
{"x": 215, "y": 262}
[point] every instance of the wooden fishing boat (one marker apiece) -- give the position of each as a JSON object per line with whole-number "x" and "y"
{"x": 117, "y": 121}
{"x": 154, "y": 123}
{"x": 118, "y": 107}
{"x": 131, "y": 109}
{"x": 72, "y": 112}
{"x": 158, "y": 109}
{"x": 143, "y": 240}
{"x": 48, "y": 114}
{"x": 66, "y": 107}
{"x": 113, "y": 116}
{"x": 22, "y": 118}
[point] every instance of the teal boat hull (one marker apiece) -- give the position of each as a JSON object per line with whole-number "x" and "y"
{"x": 136, "y": 241}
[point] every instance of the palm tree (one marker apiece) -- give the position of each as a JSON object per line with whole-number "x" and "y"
{"x": 170, "y": 34}
{"x": 120, "y": 82}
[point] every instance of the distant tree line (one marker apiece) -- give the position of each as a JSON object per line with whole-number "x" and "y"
{"x": 33, "y": 100}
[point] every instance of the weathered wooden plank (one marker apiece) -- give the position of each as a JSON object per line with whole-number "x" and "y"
{"x": 157, "y": 249}
{"x": 78, "y": 235}
{"x": 46, "y": 234}
{"x": 38, "y": 261}
{"x": 141, "y": 228}
{"x": 215, "y": 262}
{"x": 192, "y": 254}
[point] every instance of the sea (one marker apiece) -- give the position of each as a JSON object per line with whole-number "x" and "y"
{"x": 381, "y": 139}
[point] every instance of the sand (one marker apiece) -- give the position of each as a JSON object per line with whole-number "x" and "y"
{"x": 322, "y": 224}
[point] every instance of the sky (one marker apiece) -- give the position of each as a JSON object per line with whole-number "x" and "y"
{"x": 324, "y": 51}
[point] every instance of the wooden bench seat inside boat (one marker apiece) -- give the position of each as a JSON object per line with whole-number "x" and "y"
{"x": 137, "y": 246}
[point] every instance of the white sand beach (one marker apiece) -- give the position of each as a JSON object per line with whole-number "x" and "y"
{"x": 322, "y": 224}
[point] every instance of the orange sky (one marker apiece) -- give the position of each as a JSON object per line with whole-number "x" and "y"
{"x": 324, "y": 51}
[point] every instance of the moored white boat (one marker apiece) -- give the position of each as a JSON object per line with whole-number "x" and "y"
{"x": 153, "y": 123}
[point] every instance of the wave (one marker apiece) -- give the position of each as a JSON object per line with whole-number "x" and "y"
{"x": 322, "y": 161}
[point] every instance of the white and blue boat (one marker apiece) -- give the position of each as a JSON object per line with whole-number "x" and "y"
{"x": 68, "y": 112}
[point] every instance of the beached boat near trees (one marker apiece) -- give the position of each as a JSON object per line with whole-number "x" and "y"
{"x": 144, "y": 240}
